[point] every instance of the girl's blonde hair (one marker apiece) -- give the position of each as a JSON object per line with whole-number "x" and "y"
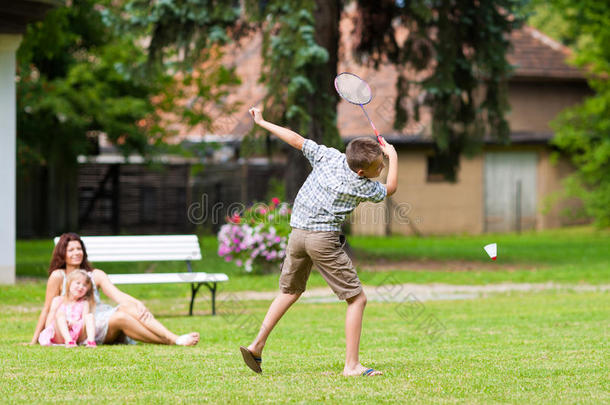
{"x": 89, "y": 294}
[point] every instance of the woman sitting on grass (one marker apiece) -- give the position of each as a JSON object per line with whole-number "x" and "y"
{"x": 130, "y": 319}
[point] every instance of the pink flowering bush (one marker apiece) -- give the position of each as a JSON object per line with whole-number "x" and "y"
{"x": 256, "y": 240}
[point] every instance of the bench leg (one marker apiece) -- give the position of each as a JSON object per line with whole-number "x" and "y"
{"x": 193, "y": 294}
{"x": 211, "y": 287}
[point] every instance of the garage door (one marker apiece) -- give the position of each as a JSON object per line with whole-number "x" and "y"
{"x": 510, "y": 191}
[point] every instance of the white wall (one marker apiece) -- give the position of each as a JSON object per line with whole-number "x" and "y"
{"x": 8, "y": 47}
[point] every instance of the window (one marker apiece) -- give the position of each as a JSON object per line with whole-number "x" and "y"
{"x": 437, "y": 168}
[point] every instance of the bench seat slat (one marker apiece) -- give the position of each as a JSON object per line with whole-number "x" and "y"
{"x": 143, "y": 247}
{"x": 131, "y": 257}
{"x": 143, "y": 238}
{"x": 160, "y": 278}
{"x": 139, "y": 240}
{"x": 122, "y": 250}
{"x": 141, "y": 244}
{"x": 127, "y": 252}
{"x": 150, "y": 258}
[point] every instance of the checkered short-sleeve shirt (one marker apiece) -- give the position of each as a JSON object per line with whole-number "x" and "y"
{"x": 332, "y": 190}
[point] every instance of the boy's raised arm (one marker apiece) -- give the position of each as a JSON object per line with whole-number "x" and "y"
{"x": 290, "y": 137}
{"x": 392, "y": 180}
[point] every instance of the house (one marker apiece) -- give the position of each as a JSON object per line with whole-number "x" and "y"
{"x": 505, "y": 188}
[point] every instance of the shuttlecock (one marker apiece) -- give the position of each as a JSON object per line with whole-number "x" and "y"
{"x": 492, "y": 250}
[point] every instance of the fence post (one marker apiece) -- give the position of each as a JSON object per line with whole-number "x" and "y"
{"x": 518, "y": 207}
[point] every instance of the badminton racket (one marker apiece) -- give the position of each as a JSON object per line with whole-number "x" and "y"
{"x": 356, "y": 91}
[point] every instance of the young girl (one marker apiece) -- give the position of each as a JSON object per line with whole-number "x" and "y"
{"x": 70, "y": 313}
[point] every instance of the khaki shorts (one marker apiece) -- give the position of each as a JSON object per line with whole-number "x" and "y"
{"x": 325, "y": 251}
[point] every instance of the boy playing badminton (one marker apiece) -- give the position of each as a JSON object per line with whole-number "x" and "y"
{"x": 336, "y": 185}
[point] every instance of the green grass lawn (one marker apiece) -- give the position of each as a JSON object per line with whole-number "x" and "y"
{"x": 547, "y": 347}
{"x": 576, "y": 245}
{"x": 572, "y": 255}
{"x": 569, "y": 255}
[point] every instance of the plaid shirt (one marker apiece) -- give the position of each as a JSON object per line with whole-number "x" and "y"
{"x": 331, "y": 191}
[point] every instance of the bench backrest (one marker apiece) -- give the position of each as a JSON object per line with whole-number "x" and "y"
{"x": 141, "y": 248}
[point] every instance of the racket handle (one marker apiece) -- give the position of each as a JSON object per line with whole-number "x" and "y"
{"x": 379, "y": 139}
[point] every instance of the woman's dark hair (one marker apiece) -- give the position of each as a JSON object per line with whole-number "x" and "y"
{"x": 58, "y": 259}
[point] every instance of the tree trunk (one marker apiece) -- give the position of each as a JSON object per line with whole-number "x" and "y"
{"x": 322, "y": 104}
{"x": 62, "y": 194}
{"x": 327, "y": 15}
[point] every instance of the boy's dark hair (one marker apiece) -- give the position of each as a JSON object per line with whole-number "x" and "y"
{"x": 361, "y": 153}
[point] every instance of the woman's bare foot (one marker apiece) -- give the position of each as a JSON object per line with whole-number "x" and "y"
{"x": 360, "y": 370}
{"x": 190, "y": 339}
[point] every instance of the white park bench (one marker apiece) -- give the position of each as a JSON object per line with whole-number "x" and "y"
{"x": 153, "y": 248}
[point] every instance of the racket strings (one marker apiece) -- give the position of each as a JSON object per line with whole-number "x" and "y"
{"x": 353, "y": 89}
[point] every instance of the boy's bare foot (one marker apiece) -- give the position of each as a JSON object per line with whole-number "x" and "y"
{"x": 252, "y": 360}
{"x": 360, "y": 370}
{"x": 257, "y": 351}
{"x": 190, "y": 339}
